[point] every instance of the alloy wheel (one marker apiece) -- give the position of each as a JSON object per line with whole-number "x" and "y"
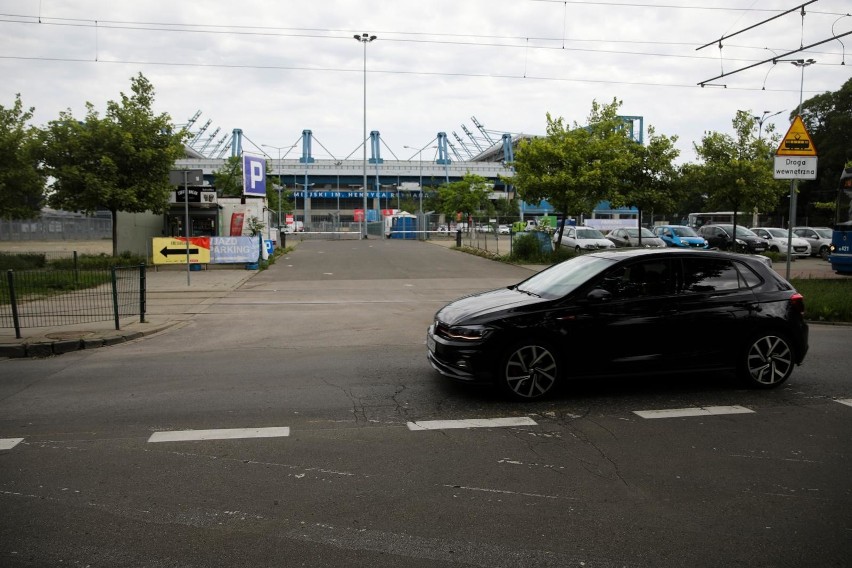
{"x": 530, "y": 371}
{"x": 769, "y": 361}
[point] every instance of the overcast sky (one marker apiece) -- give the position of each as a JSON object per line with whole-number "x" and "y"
{"x": 275, "y": 68}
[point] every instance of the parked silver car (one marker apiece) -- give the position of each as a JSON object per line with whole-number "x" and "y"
{"x": 583, "y": 238}
{"x": 819, "y": 237}
{"x": 629, "y": 237}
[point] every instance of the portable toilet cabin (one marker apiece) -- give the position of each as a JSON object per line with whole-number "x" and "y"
{"x": 404, "y": 226}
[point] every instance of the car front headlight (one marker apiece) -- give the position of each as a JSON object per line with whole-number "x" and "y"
{"x": 469, "y": 332}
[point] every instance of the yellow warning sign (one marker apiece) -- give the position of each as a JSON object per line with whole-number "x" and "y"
{"x": 797, "y": 141}
{"x": 174, "y": 250}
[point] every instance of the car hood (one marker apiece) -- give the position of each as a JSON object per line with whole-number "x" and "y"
{"x": 602, "y": 243}
{"x": 485, "y": 306}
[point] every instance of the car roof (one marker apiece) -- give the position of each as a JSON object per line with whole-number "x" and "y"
{"x": 619, "y": 254}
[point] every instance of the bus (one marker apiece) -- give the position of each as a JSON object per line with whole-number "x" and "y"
{"x": 696, "y": 220}
{"x": 840, "y": 255}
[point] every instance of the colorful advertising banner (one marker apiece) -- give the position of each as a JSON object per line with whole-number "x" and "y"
{"x": 227, "y": 250}
{"x": 254, "y": 176}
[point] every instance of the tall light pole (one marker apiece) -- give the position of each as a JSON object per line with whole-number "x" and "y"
{"x": 419, "y": 163}
{"x": 802, "y": 63}
{"x": 337, "y": 166}
{"x": 280, "y": 183}
{"x": 798, "y": 63}
{"x": 365, "y": 38}
{"x": 763, "y": 118}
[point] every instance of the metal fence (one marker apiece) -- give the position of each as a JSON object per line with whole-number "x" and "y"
{"x": 46, "y": 298}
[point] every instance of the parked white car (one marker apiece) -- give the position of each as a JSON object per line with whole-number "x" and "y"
{"x": 777, "y": 239}
{"x": 583, "y": 238}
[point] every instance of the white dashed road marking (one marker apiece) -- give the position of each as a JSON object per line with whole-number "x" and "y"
{"x": 846, "y": 401}
{"x": 686, "y": 412}
{"x": 9, "y": 443}
{"x": 225, "y": 434}
{"x": 472, "y": 423}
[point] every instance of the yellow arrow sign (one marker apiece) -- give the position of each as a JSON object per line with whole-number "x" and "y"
{"x": 174, "y": 250}
{"x": 797, "y": 141}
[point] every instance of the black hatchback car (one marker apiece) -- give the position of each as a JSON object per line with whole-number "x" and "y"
{"x": 719, "y": 236}
{"x": 616, "y": 313}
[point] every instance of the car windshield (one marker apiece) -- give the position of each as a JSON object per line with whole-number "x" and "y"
{"x": 781, "y": 233}
{"x": 743, "y": 232}
{"x": 635, "y": 233}
{"x": 684, "y": 232}
{"x": 824, "y": 232}
{"x": 565, "y": 277}
{"x": 589, "y": 234}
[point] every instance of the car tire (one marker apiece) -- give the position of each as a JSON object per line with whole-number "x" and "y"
{"x": 530, "y": 370}
{"x": 824, "y": 252}
{"x": 577, "y": 249}
{"x": 767, "y": 361}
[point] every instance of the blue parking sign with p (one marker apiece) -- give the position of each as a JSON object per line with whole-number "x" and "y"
{"x": 254, "y": 176}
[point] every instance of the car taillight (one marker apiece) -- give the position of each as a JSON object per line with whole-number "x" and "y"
{"x": 798, "y": 302}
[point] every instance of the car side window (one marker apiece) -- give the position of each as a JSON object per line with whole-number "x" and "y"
{"x": 639, "y": 280}
{"x": 710, "y": 275}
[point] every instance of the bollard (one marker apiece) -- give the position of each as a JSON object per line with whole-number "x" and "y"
{"x": 458, "y": 237}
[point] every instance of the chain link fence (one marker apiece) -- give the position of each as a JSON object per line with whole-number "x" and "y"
{"x": 56, "y": 227}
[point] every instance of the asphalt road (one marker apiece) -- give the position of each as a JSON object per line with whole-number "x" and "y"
{"x": 324, "y": 353}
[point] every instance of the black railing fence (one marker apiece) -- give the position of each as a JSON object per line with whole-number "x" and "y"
{"x": 55, "y": 297}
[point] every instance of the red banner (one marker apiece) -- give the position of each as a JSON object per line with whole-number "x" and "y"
{"x": 237, "y": 224}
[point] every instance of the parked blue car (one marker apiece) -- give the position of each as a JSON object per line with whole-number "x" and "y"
{"x": 680, "y": 236}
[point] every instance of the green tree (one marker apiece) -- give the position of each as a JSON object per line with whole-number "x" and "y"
{"x": 467, "y": 196}
{"x": 228, "y": 179}
{"x": 118, "y": 162}
{"x": 574, "y": 169}
{"x": 650, "y": 185}
{"x": 22, "y": 180}
{"x": 736, "y": 171}
{"x": 828, "y": 119}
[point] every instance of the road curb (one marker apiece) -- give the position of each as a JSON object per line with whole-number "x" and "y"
{"x": 45, "y": 347}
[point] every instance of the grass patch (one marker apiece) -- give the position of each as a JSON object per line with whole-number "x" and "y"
{"x": 826, "y": 300}
{"x": 37, "y": 275}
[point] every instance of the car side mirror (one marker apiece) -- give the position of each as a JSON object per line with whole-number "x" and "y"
{"x": 598, "y": 296}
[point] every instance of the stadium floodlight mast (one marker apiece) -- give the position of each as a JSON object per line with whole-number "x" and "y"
{"x": 365, "y": 38}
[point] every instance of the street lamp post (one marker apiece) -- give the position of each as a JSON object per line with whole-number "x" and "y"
{"x": 337, "y": 166}
{"x": 365, "y": 38}
{"x": 420, "y": 165}
{"x": 792, "y": 222}
{"x": 763, "y": 118}
{"x": 280, "y": 180}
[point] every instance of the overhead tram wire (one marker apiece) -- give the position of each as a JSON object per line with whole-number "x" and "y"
{"x": 314, "y": 33}
{"x": 773, "y": 59}
{"x": 393, "y": 72}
